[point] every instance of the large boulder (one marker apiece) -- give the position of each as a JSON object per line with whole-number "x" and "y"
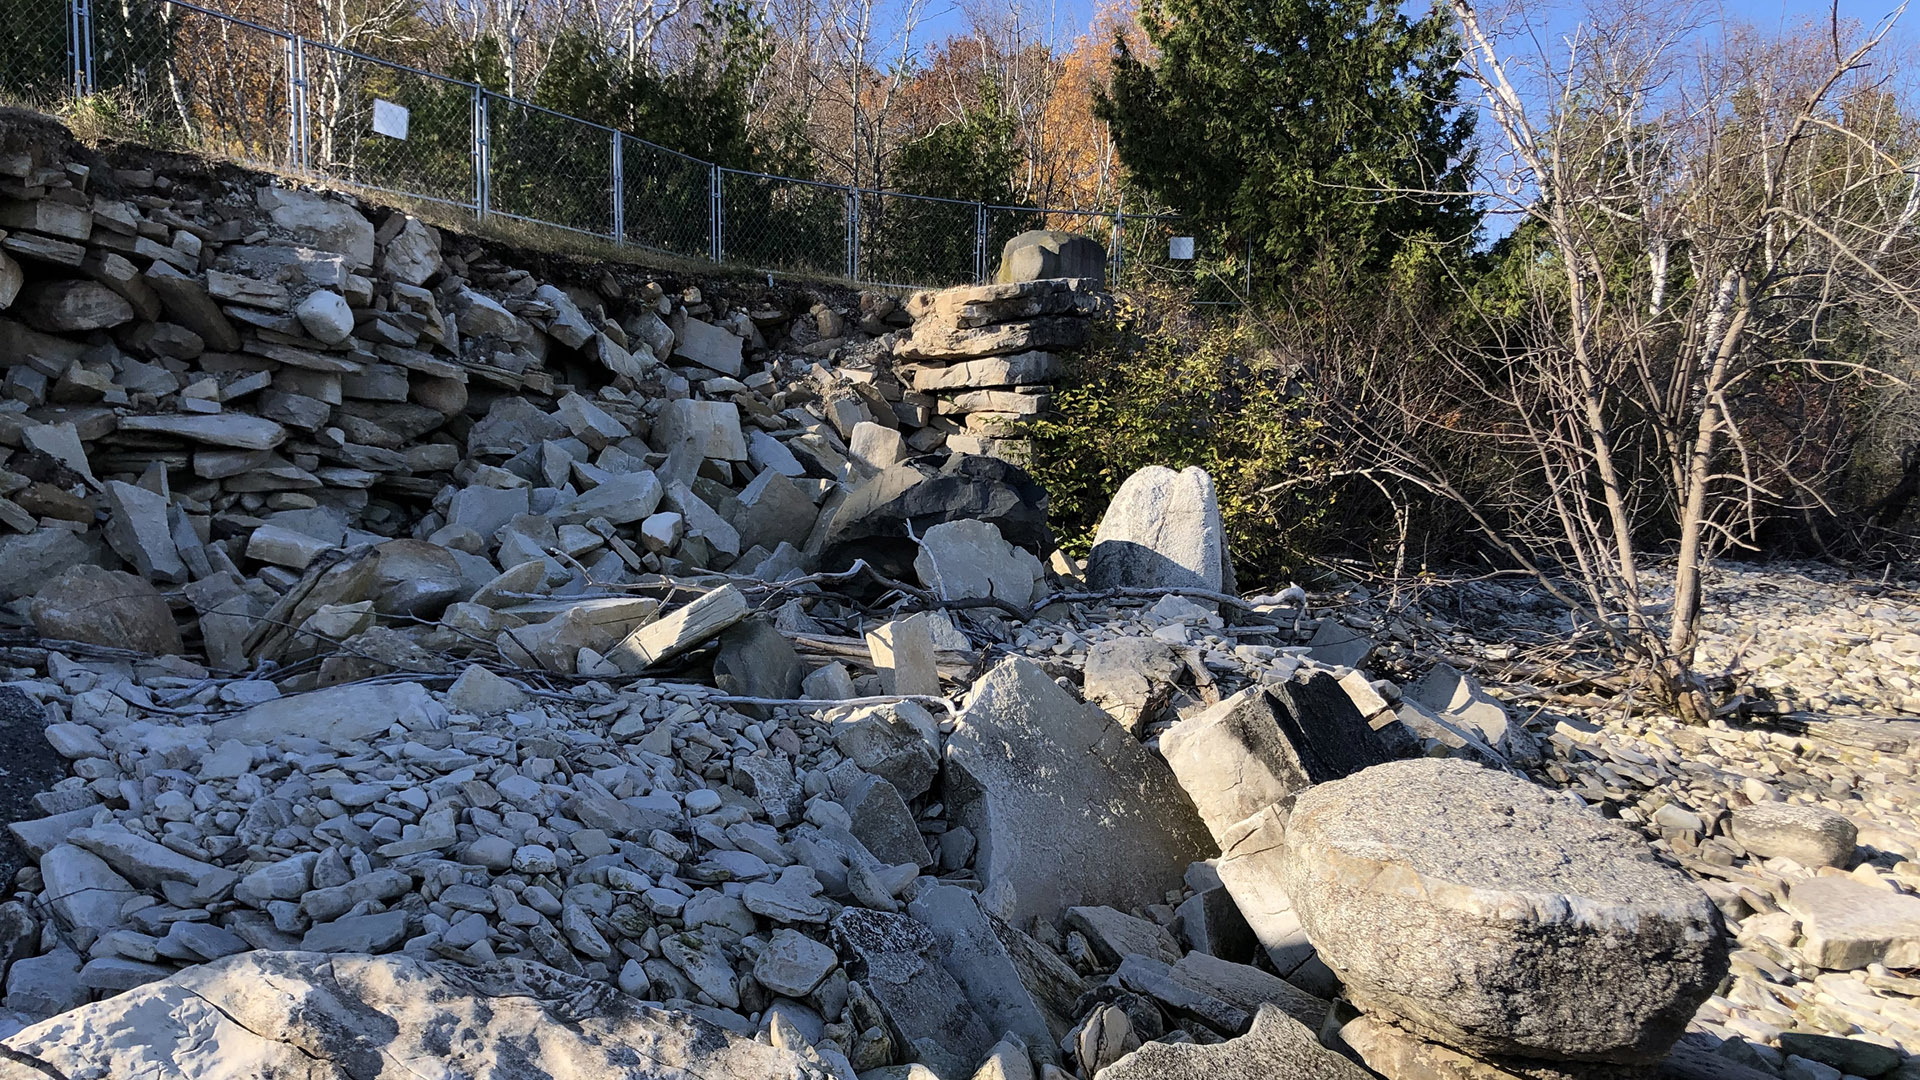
{"x": 1069, "y": 810}
{"x": 1041, "y": 254}
{"x": 310, "y": 1015}
{"x": 1488, "y": 914}
{"x": 918, "y": 494}
{"x": 1162, "y": 530}
{"x": 105, "y": 607}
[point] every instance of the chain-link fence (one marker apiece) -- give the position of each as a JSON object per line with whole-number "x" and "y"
{"x": 181, "y": 76}
{"x": 775, "y": 223}
{"x": 667, "y": 199}
{"x": 1161, "y": 249}
{"x": 387, "y": 127}
{"x": 38, "y": 63}
{"x": 917, "y": 240}
{"x": 549, "y": 168}
{"x": 177, "y": 75}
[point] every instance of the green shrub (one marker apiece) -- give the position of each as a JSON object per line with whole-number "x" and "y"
{"x": 1165, "y": 383}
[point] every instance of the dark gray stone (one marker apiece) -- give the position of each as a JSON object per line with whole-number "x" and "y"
{"x": 1023, "y": 989}
{"x": 756, "y": 660}
{"x": 1211, "y": 923}
{"x": 897, "y": 959}
{"x": 872, "y": 523}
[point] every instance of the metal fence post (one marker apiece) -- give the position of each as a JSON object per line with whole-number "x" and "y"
{"x": 619, "y": 193}
{"x": 980, "y": 243}
{"x": 1119, "y": 239}
{"x": 299, "y": 153}
{"x": 80, "y": 47}
{"x": 481, "y": 166}
{"x": 853, "y": 234}
{"x": 715, "y": 215}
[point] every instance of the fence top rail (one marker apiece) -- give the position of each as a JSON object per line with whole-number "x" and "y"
{"x": 878, "y": 194}
{"x": 784, "y": 179}
{"x": 382, "y": 61}
{"x": 702, "y": 162}
{"x": 1046, "y": 210}
{"x": 555, "y": 113}
{"x": 224, "y": 17}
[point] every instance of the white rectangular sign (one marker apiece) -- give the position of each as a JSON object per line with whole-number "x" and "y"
{"x": 389, "y": 119}
{"x": 1180, "y": 247}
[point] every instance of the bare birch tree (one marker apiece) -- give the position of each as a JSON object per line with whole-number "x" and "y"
{"x": 1708, "y": 215}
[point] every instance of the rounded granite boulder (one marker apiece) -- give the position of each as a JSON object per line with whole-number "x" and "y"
{"x": 1484, "y": 912}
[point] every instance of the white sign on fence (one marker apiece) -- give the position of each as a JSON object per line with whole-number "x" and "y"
{"x": 1180, "y": 247}
{"x": 389, "y": 119}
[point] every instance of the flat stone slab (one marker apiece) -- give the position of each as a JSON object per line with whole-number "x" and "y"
{"x": 1493, "y": 916}
{"x": 1847, "y": 924}
{"x": 898, "y": 959}
{"x": 337, "y": 714}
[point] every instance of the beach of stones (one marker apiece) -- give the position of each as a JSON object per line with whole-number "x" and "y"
{"x": 581, "y": 673}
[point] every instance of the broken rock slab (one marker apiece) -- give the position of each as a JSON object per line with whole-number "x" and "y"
{"x": 1459, "y": 698}
{"x": 1277, "y": 1047}
{"x": 900, "y": 743}
{"x": 1847, "y": 924}
{"x": 1812, "y": 836}
{"x": 1068, "y": 808}
{"x": 138, "y": 532}
{"x": 1131, "y": 678}
{"x": 902, "y": 652}
{"x": 312, "y": 1015}
{"x": 873, "y": 522}
{"x": 1026, "y": 990}
{"x": 680, "y": 630}
{"x": 1162, "y": 530}
{"x": 1495, "y": 917}
{"x": 1265, "y": 745}
{"x": 336, "y": 715}
{"x": 963, "y": 560}
{"x": 756, "y": 660}
{"x": 898, "y": 960}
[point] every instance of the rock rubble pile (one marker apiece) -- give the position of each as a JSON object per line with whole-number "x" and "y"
{"x": 492, "y": 671}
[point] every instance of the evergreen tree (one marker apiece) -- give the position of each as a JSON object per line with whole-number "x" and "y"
{"x": 1294, "y": 124}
